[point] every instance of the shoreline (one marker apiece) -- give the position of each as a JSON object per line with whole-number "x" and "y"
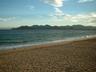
{"x": 49, "y": 42}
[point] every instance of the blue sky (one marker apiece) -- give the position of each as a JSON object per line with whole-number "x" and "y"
{"x": 14, "y": 13}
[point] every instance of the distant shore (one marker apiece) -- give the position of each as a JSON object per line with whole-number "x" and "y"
{"x": 73, "y": 56}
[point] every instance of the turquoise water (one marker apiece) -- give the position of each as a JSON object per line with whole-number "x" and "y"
{"x": 16, "y": 38}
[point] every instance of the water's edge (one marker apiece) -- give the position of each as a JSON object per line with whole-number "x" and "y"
{"x": 49, "y": 42}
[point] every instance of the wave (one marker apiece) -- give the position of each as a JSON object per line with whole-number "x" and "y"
{"x": 46, "y": 42}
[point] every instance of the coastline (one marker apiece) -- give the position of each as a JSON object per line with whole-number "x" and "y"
{"x": 73, "y": 56}
{"x": 48, "y": 42}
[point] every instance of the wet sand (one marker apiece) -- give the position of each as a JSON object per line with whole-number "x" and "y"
{"x": 74, "y": 56}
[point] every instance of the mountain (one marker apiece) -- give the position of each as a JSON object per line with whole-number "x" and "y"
{"x": 73, "y": 27}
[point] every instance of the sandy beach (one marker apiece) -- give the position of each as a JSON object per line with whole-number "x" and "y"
{"x": 74, "y": 56}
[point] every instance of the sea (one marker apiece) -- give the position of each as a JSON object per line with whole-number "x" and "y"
{"x": 21, "y": 38}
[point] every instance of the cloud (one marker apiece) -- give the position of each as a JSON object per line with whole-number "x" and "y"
{"x": 4, "y": 19}
{"x": 83, "y": 19}
{"x": 61, "y": 18}
{"x": 58, "y": 12}
{"x": 57, "y": 4}
{"x": 83, "y": 1}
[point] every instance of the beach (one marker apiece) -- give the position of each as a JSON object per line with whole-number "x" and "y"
{"x": 71, "y": 56}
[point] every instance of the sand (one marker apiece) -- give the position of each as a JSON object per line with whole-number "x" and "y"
{"x": 74, "y": 56}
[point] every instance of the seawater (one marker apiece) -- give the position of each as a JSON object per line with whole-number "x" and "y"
{"x": 19, "y": 38}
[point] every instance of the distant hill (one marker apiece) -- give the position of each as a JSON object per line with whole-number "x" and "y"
{"x": 73, "y": 27}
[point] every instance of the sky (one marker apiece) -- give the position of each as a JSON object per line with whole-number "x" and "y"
{"x": 15, "y": 13}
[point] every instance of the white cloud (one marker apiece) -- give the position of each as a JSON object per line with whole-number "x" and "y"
{"x": 57, "y": 4}
{"x": 58, "y": 13}
{"x": 61, "y": 18}
{"x": 93, "y": 14}
{"x": 4, "y": 19}
{"x": 83, "y": 1}
{"x": 83, "y": 19}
